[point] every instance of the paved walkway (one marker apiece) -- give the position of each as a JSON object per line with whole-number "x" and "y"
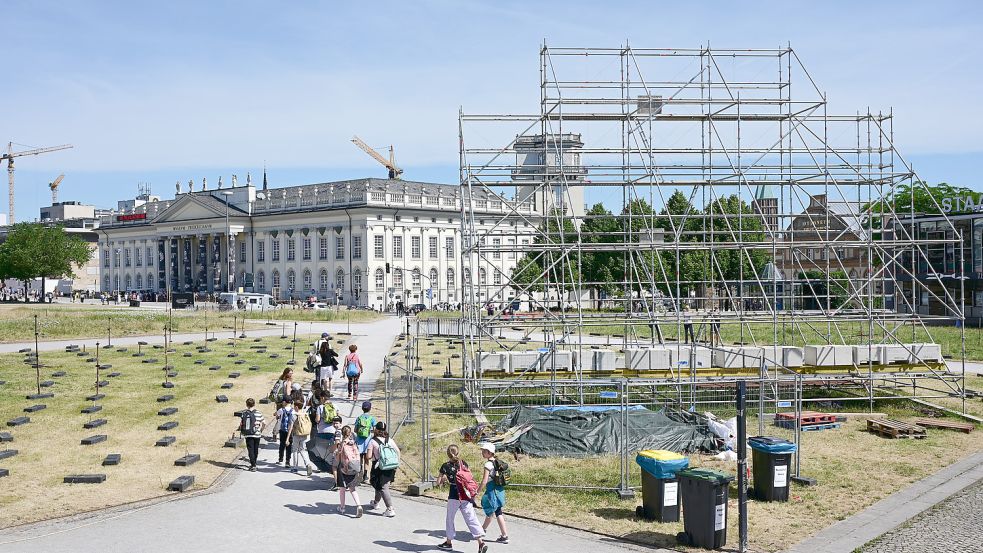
{"x": 272, "y": 509}
{"x": 891, "y": 512}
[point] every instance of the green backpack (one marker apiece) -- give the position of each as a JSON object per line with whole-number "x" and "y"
{"x": 388, "y": 455}
{"x": 363, "y": 425}
{"x": 503, "y": 473}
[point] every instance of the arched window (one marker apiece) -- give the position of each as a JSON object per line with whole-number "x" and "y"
{"x": 398, "y": 280}
{"x": 128, "y": 281}
{"x": 139, "y": 281}
{"x": 116, "y": 283}
{"x": 308, "y": 280}
{"x": 467, "y": 276}
{"x": 482, "y": 276}
{"x": 380, "y": 279}
{"x": 291, "y": 280}
{"x": 276, "y": 278}
{"x": 150, "y": 281}
{"x": 322, "y": 282}
{"x": 105, "y": 282}
{"x": 340, "y": 279}
{"x": 497, "y": 277}
{"x": 261, "y": 281}
{"x": 416, "y": 279}
{"x": 433, "y": 279}
{"x": 357, "y": 279}
{"x": 450, "y": 279}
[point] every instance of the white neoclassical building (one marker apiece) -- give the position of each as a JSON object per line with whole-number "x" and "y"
{"x": 367, "y": 242}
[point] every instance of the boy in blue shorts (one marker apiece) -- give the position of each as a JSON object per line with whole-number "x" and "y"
{"x": 363, "y": 434}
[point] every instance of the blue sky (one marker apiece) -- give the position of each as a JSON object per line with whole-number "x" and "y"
{"x": 166, "y": 91}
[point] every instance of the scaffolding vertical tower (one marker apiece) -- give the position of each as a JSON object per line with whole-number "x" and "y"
{"x": 661, "y": 186}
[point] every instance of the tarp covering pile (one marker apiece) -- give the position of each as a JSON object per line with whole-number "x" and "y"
{"x": 587, "y": 431}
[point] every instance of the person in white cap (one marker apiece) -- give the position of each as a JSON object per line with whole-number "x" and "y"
{"x": 493, "y": 501}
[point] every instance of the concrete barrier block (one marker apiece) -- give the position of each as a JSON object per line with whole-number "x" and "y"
{"x": 493, "y": 362}
{"x": 921, "y": 353}
{"x": 603, "y": 360}
{"x": 520, "y": 361}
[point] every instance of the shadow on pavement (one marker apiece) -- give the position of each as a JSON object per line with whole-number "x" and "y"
{"x": 304, "y": 484}
{"x": 434, "y": 533}
{"x": 319, "y": 508}
{"x": 611, "y": 513}
{"x": 404, "y": 546}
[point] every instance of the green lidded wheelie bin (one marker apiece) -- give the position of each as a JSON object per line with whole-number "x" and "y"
{"x": 660, "y": 487}
{"x": 704, "y": 495}
{"x": 770, "y": 462}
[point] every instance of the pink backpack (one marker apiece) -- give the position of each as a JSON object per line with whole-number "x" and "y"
{"x": 467, "y": 488}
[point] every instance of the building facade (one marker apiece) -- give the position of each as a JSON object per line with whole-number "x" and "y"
{"x": 365, "y": 242}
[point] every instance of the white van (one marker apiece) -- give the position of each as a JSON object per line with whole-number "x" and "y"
{"x": 245, "y": 300}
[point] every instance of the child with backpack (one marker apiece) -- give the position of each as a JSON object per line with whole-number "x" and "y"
{"x": 460, "y": 498}
{"x": 384, "y": 456}
{"x": 251, "y": 425}
{"x": 299, "y": 431}
{"x": 494, "y": 480}
{"x": 285, "y": 416}
{"x": 363, "y": 432}
{"x": 349, "y": 465}
{"x": 353, "y": 370}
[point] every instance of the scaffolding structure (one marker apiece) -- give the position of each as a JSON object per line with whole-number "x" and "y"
{"x": 661, "y": 188}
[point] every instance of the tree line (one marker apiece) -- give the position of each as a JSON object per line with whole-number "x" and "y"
{"x": 36, "y": 250}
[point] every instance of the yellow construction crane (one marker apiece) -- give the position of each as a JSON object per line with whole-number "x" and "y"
{"x": 54, "y": 188}
{"x": 9, "y": 156}
{"x": 394, "y": 171}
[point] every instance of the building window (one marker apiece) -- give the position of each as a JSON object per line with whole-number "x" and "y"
{"x": 398, "y": 280}
{"x": 261, "y": 280}
{"x": 276, "y": 250}
{"x": 416, "y": 279}
{"x": 261, "y": 251}
{"x": 138, "y": 253}
{"x": 116, "y": 283}
{"x": 356, "y": 247}
{"x": 307, "y": 249}
{"x": 308, "y": 280}
{"x": 482, "y": 276}
{"x": 449, "y": 247}
{"x": 340, "y": 280}
{"x": 380, "y": 279}
{"x": 497, "y": 247}
{"x": 433, "y": 247}
{"x": 139, "y": 280}
{"x": 450, "y": 279}
{"x": 291, "y": 249}
{"x": 291, "y": 280}
{"x": 398, "y": 247}
{"x": 322, "y": 248}
{"x": 511, "y": 248}
{"x": 356, "y": 280}
{"x": 378, "y": 246}
{"x": 467, "y": 276}
{"x": 276, "y": 278}
{"x": 105, "y": 260}
{"x": 150, "y": 258}
{"x": 497, "y": 277}
{"x": 242, "y": 251}
{"x": 150, "y": 280}
{"x": 415, "y": 247}
{"x": 322, "y": 284}
{"x": 126, "y": 257}
{"x": 129, "y": 283}
{"x": 339, "y": 247}
{"x": 433, "y": 279}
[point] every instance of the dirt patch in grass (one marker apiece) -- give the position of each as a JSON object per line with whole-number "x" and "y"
{"x": 49, "y": 447}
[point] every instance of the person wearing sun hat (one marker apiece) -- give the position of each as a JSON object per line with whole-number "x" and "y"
{"x": 493, "y": 501}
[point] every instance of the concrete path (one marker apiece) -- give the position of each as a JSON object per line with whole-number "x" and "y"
{"x": 889, "y": 513}
{"x": 273, "y": 510}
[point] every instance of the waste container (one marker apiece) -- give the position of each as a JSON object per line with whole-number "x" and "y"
{"x": 660, "y": 488}
{"x": 134, "y": 303}
{"x": 770, "y": 461}
{"x": 704, "y": 495}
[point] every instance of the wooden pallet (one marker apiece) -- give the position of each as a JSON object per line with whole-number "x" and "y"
{"x": 807, "y": 417}
{"x": 966, "y": 427}
{"x": 790, "y": 425}
{"x": 891, "y": 428}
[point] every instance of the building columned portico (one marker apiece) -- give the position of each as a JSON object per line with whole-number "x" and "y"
{"x": 366, "y": 242}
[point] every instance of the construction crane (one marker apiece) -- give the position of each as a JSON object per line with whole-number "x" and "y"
{"x": 54, "y": 188}
{"x": 394, "y": 171}
{"x": 10, "y": 155}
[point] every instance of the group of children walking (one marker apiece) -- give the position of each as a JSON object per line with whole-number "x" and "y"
{"x": 363, "y": 452}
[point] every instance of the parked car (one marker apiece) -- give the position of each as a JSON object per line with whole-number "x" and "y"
{"x": 417, "y": 307}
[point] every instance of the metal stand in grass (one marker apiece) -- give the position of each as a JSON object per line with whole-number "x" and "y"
{"x": 109, "y": 331}
{"x": 37, "y": 354}
{"x": 167, "y": 347}
{"x": 293, "y": 349}
{"x": 742, "y": 468}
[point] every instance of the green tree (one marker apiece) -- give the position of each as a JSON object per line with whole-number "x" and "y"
{"x": 549, "y": 265}
{"x": 602, "y": 270}
{"x": 34, "y": 250}
{"x": 823, "y": 292}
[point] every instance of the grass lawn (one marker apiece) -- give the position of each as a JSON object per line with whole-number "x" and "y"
{"x": 853, "y": 467}
{"x": 68, "y": 321}
{"x": 49, "y": 446}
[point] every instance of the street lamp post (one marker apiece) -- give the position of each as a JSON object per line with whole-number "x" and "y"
{"x": 228, "y": 245}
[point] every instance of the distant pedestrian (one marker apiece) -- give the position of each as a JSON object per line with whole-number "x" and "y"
{"x": 460, "y": 500}
{"x": 285, "y": 416}
{"x": 329, "y": 363}
{"x": 350, "y": 465}
{"x": 494, "y": 484}
{"x": 688, "y": 325}
{"x": 353, "y": 370}
{"x": 300, "y": 431}
{"x": 383, "y": 454}
{"x": 363, "y": 432}
{"x": 251, "y": 426}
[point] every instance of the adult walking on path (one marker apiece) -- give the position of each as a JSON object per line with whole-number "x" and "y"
{"x": 353, "y": 371}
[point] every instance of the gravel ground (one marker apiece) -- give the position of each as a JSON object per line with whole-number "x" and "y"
{"x": 951, "y": 526}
